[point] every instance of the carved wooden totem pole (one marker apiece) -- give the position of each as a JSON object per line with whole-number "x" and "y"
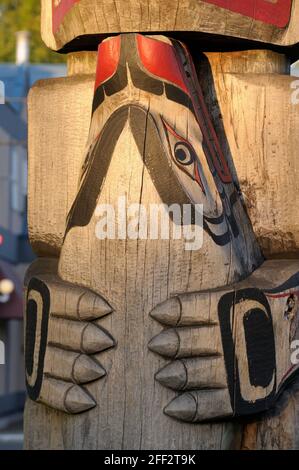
{"x": 136, "y": 339}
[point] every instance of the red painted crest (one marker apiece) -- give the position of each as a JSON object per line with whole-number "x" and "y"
{"x": 60, "y": 9}
{"x": 108, "y": 59}
{"x": 274, "y": 12}
{"x": 159, "y": 59}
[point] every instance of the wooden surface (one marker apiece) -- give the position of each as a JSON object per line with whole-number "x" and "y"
{"x": 54, "y": 101}
{"x": 235, "y": 342}
{"x": 81, "y": 63}
{"x": 256, "y": 75}
{"x": 62, "y": 339}
{"x": 277, "y": 429}
{"x": 259, "y": 119}
{"x": 91, "y": 17}
{"x": 137, "y": 277}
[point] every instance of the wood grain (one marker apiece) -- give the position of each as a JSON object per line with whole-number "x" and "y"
{"x": 254, "y": 98}
{"x": 136, "y": 277}
{"x": 91, "y": 17}
{"x": 51, "y": 102}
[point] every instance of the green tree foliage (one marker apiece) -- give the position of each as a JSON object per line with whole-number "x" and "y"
{"x": 18, "y": 15}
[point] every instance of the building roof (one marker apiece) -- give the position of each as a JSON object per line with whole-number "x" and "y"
{"x": 13, "y": 130}
{"x": 18, "y": 79}
{"x": 12, "y": 124}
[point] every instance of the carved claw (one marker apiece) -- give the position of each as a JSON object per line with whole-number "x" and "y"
{"x": 194, "y": 342}
{"x": 72, "y": 367}
{"x": 192, "y": 374}
{"x": 231, "y": 349}
{"x": 79, "y": 336}
{"x": 187, "y": 342}
{"x": 196, "y": 407}
{"x": 65, "y": 396}
{"x": 74, "y": 302}
{"x": 185, "y": 310}
{"x": 60, "y": 341}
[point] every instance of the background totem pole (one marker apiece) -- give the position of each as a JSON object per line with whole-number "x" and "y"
{"x": 140, "y": 343}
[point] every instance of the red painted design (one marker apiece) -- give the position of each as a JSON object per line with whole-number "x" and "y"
{"x": 207, "y": 128}
{"x": 159, "y": 59}
{"x": 286, "y": 375}
{"x": 285, "y": 294}
{"x": 59, "y": 9}
{"x": 108, "y": 60}
{"x": 196, "y": 177}
{"x": 274, "y": 12}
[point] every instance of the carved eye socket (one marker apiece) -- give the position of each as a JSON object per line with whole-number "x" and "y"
{"x": 184, "y": 154}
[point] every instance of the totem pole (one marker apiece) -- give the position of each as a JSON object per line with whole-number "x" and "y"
{"x": 136, "y": 340}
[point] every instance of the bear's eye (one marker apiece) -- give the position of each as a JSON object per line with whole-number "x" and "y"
{"x": 184, "y": 153}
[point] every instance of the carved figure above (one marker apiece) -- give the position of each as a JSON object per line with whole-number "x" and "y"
{"x": 77, "y": 24}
